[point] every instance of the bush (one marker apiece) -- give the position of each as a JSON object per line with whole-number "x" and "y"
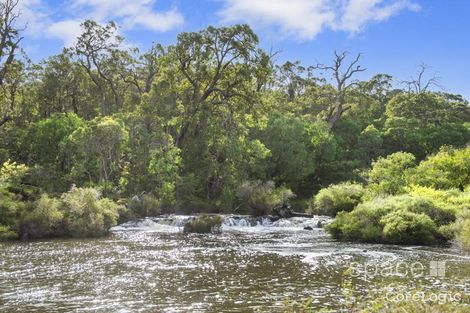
{"x": 361, "y": 224}
{"x": 261, "y": 198}
{"x": 445, "y": 204}
{"x": 44, "y": 220}
{"x": 6, "y": 233}
{"x": 337, "y": 198}
{"x": 11, "y": 207}
{"x": 404, "y": 227}
{"x": 447, "y": 169}
{"x": 144, "y": 205}
{"x": 87, "y": 214}
{"x": 203, "y": 224}
{"x": 382, "y": 219}
{"x": 12, "y": 173}
{"x": 388, "y": 176}
{"x": 460, "y": 230}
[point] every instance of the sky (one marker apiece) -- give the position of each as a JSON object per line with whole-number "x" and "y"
{"x": 395, "y": 36}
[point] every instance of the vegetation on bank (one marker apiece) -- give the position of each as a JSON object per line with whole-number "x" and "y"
{"x": 408, "y": 203}
{"x": 212, "y": 124}
{"x": 26, "y": 214}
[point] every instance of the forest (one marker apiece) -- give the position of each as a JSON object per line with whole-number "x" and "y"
{"x": 103, "y": 133}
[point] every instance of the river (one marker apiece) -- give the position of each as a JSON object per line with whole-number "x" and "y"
{"x": 253, "y": 265}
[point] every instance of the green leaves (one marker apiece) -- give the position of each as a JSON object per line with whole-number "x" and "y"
{"x": 388, "y": 175}
{"x": 449, "y": 168}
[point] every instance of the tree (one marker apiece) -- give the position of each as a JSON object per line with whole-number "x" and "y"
{"x": 97, "y": 51}
{"x": 216, "y": 64}
{"x": 48, "y": 139}
{"x": 296, "y": 146}
{"x": 65, "y": 87}
{"x": 421, "y": 83}
{"x": 342, "y": 74}
{"x": 293, "y": 78}
{"x": 10, "y": 67}
{"x": 215, "y": 76}
{"x": 97, "y": 148}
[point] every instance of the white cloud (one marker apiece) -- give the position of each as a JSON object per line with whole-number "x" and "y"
{"x": 130, "y": 13}
{"x": 358, "y": 13}
{"x": 33, "y": 16}
{"x": 63, "y": 22}
{"x": 305, "y": 19}
{"x": 67, "y": 31}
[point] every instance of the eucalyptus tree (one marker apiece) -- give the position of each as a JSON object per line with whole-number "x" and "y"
{"x": 217, "y": 73}
{"x": 10, "y": 66}
{"x": 64, "y": 86}
{"x": 342, "y": 73}
{"x": 98, "y": 51}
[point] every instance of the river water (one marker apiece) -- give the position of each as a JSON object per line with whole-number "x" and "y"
{"x": 253, "y": 265}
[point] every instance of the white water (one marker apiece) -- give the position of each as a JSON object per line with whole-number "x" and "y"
{"x": 239, "y": 223}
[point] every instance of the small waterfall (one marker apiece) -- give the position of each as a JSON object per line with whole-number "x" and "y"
{"x": 175, "y": 223}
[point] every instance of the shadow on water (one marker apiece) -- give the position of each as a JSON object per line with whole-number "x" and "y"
{"x": 151, "y": 265}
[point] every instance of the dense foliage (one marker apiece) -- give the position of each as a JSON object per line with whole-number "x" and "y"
{"x": 337, "y": 198}
{"x": 212, "y": 124}
{"x": 421, "y": 204}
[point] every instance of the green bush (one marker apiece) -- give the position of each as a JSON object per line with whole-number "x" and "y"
{"x": 87, "y": 214}
{"x": 203, "y": 224}
{"x": 447, "y": 169}
{"x": 388, "y": 176}
{"x": 361, "y": 224}
{"x": 336, "y": 198}
{"x": 404, "y": 227}
{"x": 6, "y": 233}
{"x": 261, "y": 198}
{"x": 382, "y": 219}
{"x": 144, "y": 205}
{"x": 11, "y": 207}
{"x": 44, "y": 220}
{"x": 460, "y": 230}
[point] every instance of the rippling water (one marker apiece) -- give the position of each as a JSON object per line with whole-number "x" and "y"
{"x": 150, "y": 266}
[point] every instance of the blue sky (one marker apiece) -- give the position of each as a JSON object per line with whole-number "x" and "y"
{"x": 395, "y": 36}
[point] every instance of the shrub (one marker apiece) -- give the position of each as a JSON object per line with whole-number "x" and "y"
{"x": 404, "y": 227}
{"x": 144, "y": 205}
{"x": 11, "y": 207}
{"x": 203, "y": 224}
{"x": 87, "y": 214}
{"x": 378, "y": 220}
{"x": 12, "y": 173}
{"x": 460, "y": 230}
{"x": 337, "y": 198}
{"x": 44, "y": 220}
{"x": 361, "y": 224}
{"x": 6, "y": 233}
{"x": 261, "y": 198}
{"x": 446, "y": 170}
{"x": 445, "y": 204}
{"x": 388, "y": 175}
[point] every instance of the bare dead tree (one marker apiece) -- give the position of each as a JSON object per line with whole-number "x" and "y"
{"x": 421, "y": 83}
{"x": 9, "y": 44}
{"x": 342, "y": 73}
